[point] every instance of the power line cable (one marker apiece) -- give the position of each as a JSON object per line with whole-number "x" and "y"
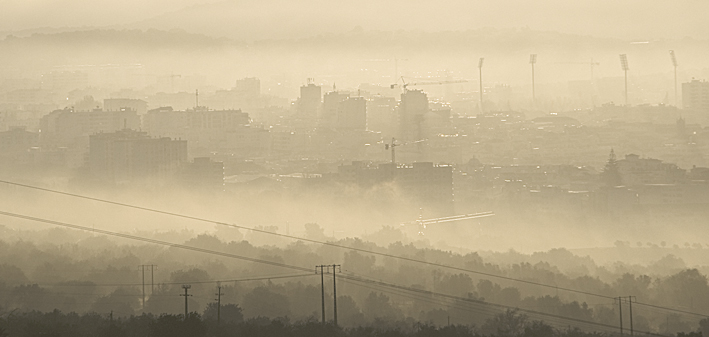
{"x": 90, "y": 284}
{"x": 322, "y": 243}
{"x": 484, "y": 310}
{"x": 154, "y": 241}
{"x": 671, "y": 309}
{"x": 331, "y": 244}
{"x": 432, "y": 293}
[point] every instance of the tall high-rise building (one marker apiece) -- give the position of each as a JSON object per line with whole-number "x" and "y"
{"x": 331, "y": 103}
{"x": 310, "y": 100}
{"x": 695, "y": 95}
{"x": 412, "y": 109}
{"x": 352, "y": 114}
{"x": 381, "y": 116}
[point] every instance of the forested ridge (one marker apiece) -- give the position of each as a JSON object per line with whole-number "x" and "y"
{"x": 87, "y": 277}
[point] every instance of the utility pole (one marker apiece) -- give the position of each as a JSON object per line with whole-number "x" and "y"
{"x": 630, "y": 303}
{"x": 620, "y": 310}
{"x": 152, "y": 279}
{"x": 186, "y": 287}
{"x": 142, "y": 273}
{"x": 532, "y": 61}
{"x": 322, "y": 289}
{"x": 219, "y": 302}
{"x": 196, "y": 98}
{"x": 480, "y": 69}
{"x": 334, "y": 288}
{"x": 624, "y": 65}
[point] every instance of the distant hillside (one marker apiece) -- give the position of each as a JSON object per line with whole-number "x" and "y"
{"x": 355, "y": 56}
{"x": 151, "y": 38}
{"x": 487, "y": 39}
{"x": 252, "y": 20}
{"x": 277, "y": 19}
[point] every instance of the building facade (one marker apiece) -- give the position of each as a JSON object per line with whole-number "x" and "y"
{"x": 695, "y": 95}
{"x": 129, "y": 157}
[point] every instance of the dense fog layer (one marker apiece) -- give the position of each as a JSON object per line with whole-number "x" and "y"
{"x": 251, "y": 168}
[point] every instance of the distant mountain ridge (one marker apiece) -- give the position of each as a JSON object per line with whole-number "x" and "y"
{"x": 252, "y": 20}
{"x": 504, "y": 39}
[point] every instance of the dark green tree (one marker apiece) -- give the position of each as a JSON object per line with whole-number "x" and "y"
{"x": 704, "y": 326}
{"x": 506, "y": 324}
{"x": 230, "y": 313}
{"x": 611, "y": 174}
{"x": 539, "y": 329}
{"x": 177, "y": 326}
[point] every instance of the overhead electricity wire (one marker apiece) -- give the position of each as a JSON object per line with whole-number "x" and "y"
{"x": 431, "y": 300}
{"x": 91, "y": 284}
{"x": 331, "y": 244}
{"x": 283, "y": 265}
{"x": 671, "y": 309}
{"x": 486, "y": 310}
{"x": 154, "y": 241}
{"x": 433, "y": 293}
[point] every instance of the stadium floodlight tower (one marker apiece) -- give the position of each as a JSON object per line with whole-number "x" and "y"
{"x": 624, "y": 65}
{"x": 674, "y": 63}
{"x": 532, "y": 61}
{"x": 480, "y": 69}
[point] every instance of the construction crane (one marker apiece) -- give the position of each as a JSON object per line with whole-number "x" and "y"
{"x": 405, "y": 85}
{"x": 393, "y": 144}
{"x": 423, "y": 223}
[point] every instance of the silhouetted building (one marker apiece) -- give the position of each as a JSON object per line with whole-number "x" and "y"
{"x": 381, "y": 114}
{"x": 695, "y": 95}
{"x": 16, "y": 145}
{"x": 250, "y": 86}
{"x": 17, "y": 140}
{"x": 117, "y": 104}
{"x": 352, "y": 114}
{"x": 412, "y": 109}
{"x": 88, "y": 103}
{"x": 310, "y": 100}
{"x": 165, "y": 121}
{"x": 424, "y": 184}
{"x": 224, "y": 131}
{"x": 641, "y": 171}
{"x": 133, "y": 157}
{"x": 62, "y": 127}
{"x": 331, "y": 102}
{"x": 204, "y": 174}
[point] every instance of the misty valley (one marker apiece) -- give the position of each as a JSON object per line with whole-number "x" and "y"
{"x": 216, "y": 168}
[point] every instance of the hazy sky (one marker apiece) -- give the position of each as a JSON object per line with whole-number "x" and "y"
{"x": 251, "y": 19}
{"x": 29, "y": 14}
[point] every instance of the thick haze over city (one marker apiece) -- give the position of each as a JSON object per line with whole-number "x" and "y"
{"x": 371, "y": 168}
